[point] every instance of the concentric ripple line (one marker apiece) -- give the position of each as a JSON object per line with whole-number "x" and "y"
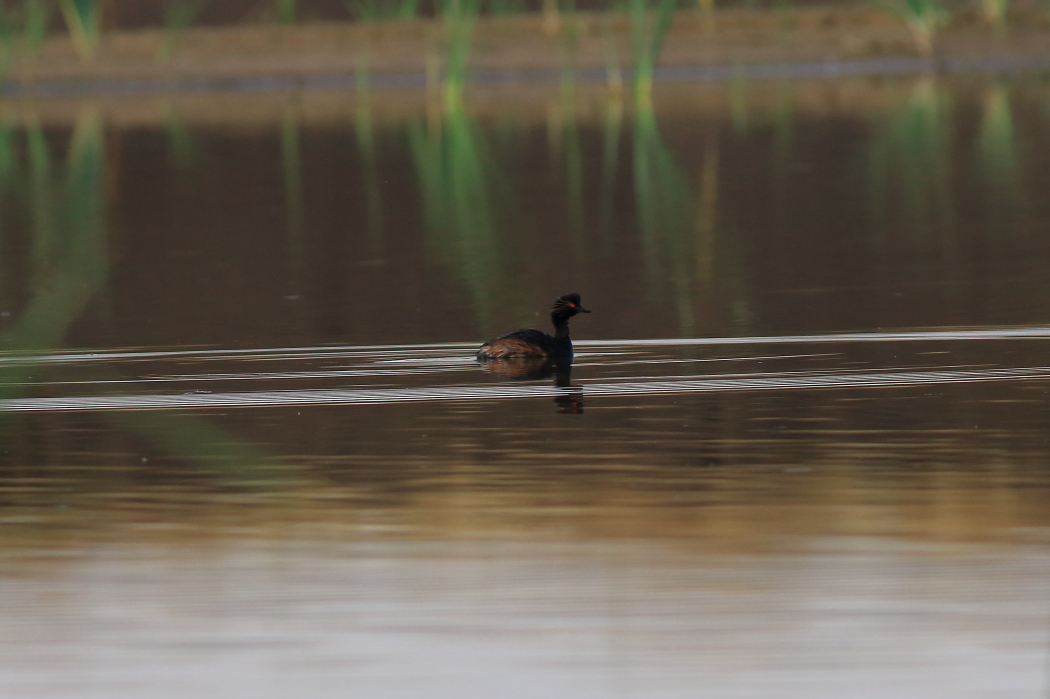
{"x": 488, "y": 392}
{"x": 1028, "y": 333}
{"x": 270, "y": 354}
{"x": 394, "y": 352}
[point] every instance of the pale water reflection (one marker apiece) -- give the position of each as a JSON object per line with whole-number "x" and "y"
{"x": 312, "y": 615}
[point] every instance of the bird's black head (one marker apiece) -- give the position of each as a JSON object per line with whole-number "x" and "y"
{"x": 567, "y": 306}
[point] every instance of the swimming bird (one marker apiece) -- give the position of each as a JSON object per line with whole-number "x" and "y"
{"x": 536, "y": 343}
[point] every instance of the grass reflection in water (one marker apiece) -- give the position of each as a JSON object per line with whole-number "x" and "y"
{"x": 665, "y": 209}
{"x": 65, "y": 203}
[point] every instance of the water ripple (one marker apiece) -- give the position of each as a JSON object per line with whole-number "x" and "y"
{"x": 1026, "y": 333}
{"x": 701, "y": 384}
{"x": 438, "y": 352}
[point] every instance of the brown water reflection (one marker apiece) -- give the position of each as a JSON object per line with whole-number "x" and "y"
{"x": 723, "y": 542}
{"x": 723, "y": 546}
{"x": 308, "y": 508}
{"x": 832, "y": 212}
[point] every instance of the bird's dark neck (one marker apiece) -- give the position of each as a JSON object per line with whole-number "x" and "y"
{"x": 561, "y": 326}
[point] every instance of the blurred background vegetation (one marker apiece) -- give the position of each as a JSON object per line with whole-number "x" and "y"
{"x": 143, "y": 13}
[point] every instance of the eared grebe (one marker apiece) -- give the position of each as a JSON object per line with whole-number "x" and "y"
{"x": 535, "y": 343}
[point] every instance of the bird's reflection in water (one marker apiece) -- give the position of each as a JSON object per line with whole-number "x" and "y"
{"x": 569, "y": 399}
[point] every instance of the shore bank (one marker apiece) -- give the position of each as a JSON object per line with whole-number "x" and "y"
{"x": 581, "y": 42}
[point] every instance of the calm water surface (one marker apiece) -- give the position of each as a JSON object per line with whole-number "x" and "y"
{"x": 802, "y": 450}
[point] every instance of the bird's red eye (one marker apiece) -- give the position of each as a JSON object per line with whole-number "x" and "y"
{"x": 572, "y": 305}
